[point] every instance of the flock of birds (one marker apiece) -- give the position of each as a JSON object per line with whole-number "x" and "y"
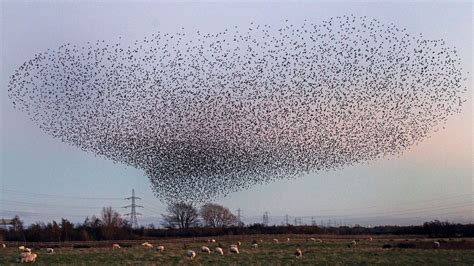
{"x": 206, "y": 114}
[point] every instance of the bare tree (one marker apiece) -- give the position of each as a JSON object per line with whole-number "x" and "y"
{"x": 215, "y": 215}
{"x": 109, "y": 217}
{"x": 17, "y": 224}
{"x": 111, "y": 221}
{"x": 181, "y": 215}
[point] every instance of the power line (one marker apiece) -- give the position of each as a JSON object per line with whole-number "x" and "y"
{"x": 265, "y": 219}
{"x": 59, "y": 196}
{"x": 49, "y": 205}
{"x": 238, "y": 216}
{"x": 133, "y": 213}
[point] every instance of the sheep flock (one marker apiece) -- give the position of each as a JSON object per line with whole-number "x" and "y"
{"x": 295, "y": 249}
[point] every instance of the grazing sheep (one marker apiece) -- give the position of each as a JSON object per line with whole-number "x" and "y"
{"x": 288, "y": 239}
{"x": 114, "y": 246}
{"x": 298, "y": 253}
{"x": 205, "y": 249}
{"x": 23, "y": 255}
{"x": 3, "y": 245}
{"x": 234, "y": 249}
{"x": 21, "y": 248}
{"x": 160, "y": 248}
{"x": 190, "y": 254}
{"x": 436, "y": 244}
{"x": 370, "y": 239}
{"x": 211, "y": 241}
{"x": 275, "y": 240}
{"x": 255, "y": 245}
{"x": 49, "y": 250}
{"x": 352, "y": 244}
{"x": 312, "y": 239}
{"x": 147, "y": 245}
{"x": 219, "y": 251}
{"x": 27, "y": 257}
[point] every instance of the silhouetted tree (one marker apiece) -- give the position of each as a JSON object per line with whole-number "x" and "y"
{"x": 111, "y": 218}
{"x": 17, "y": 224}
{"x": 67, "y": 229}
{"x": 181, "y": 215}
{"x": 111, "y": 223}
{"x": 215, "y": 215}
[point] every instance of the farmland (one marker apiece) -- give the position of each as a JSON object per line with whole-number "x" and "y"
{"x": 330, "y": 251}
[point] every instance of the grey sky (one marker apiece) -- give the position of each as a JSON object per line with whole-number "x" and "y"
{"x": 431, "y": 180}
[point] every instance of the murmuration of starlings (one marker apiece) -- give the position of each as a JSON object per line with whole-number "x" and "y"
{"x": 207, "y": 114}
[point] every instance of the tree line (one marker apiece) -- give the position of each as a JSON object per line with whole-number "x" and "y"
{"x": 185, "y": 220}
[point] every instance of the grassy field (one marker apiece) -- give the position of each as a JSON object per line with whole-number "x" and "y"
{"x": 330, "y": 251}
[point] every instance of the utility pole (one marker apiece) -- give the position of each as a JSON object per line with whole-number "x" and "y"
{"x": 239, "y": 221}
{"x": 265, "y": 218}
{"x": 133, "y": 212}
{"x": 287, "y": 220}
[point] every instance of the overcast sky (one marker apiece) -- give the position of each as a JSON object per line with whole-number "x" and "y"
{"x": 42, "y": 178}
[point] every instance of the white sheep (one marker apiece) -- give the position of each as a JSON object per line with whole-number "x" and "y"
{"x": 255, "y": 245}
{"x": 31, "y": 257}
{"x": 313, "y": 239}
{"x": 205, "y": 249}
{"x": 436, "y": 244}
{"x": 49, "y": 250}
{"x": 352, "y": 244}
{"x": 3, "y": 245}
{"x": 219, "y": 251}
{"x": 298, "y": 253}
{"x": 276, "y": 240}
{"x": 370, "y": 239}
{"x": 21, "y": 248}
{"x": 116, "y": 246}
{"x": 147, "y": 245}
{"x": 22, "y": 255}
{"x": 190, "y": 254}
{"x": 288, "y": 239}
{"x": 27, "y": 257}
{"x": 160, "y": 248}
{"x": 234, "y": 249}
